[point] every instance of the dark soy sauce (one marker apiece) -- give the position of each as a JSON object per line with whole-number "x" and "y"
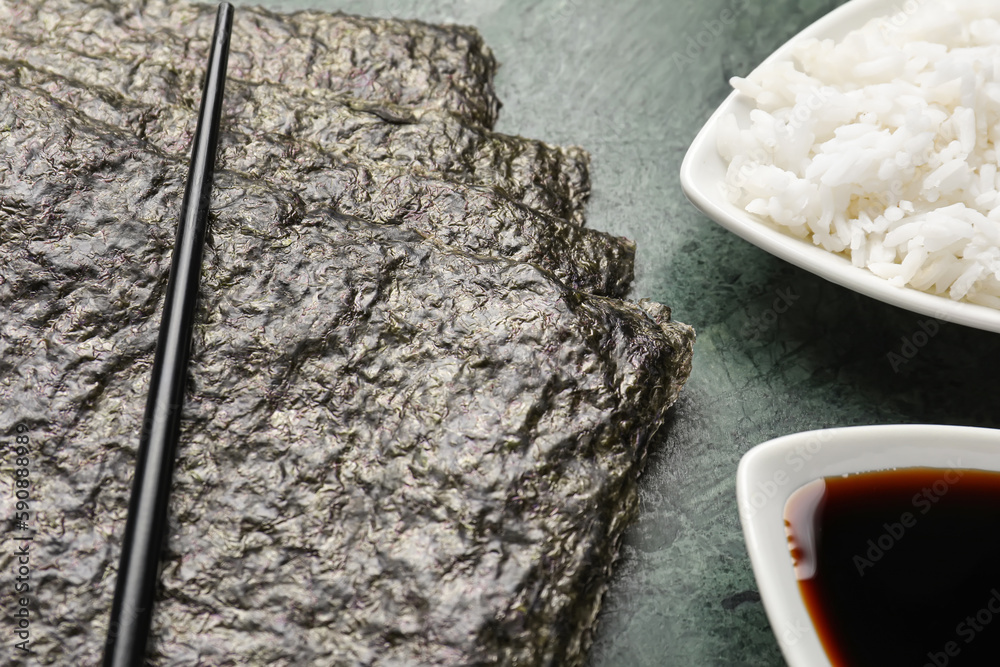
{"x": 901, "y": 567}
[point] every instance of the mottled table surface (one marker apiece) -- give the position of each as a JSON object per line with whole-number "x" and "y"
{"x": 633, "y": 81}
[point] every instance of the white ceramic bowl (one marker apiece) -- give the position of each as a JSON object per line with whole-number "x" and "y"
{"x": 771, "y": 472}
{"x": 703, "y": 172}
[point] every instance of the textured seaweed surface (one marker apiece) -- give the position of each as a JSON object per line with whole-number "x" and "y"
{"x": 399, "y": 447}
{"x": 481, "y": 219}
{"x": 404, "y": 62}
{"x": 551, "y": 179}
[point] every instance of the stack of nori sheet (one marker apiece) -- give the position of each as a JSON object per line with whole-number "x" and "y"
{"x": 418, "y": 403}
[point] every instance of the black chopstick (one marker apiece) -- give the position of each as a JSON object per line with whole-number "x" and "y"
{"x": 135, "y": 588}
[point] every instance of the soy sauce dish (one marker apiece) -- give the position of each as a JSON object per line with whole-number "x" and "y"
{"x": 877, "y": 545}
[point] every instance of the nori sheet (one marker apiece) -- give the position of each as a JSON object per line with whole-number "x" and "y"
{"x": 395, "y": 451}
{"x": 409, "y": 63}
{"x": 551, "y": 179}
{"x": 480, "y": 219}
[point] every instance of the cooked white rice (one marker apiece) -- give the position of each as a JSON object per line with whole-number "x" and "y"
{"x": 884, "y": 147}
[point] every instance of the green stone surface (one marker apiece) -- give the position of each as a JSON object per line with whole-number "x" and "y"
{"x": 633, "y": 81}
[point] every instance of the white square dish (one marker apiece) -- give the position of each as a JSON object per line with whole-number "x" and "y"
{"x": 771, "y": 472}
{"x": 703, "y": 173}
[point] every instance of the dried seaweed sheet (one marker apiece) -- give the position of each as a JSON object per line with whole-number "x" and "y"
{"x": 403, "y": 445}
{"x": 409, "y": 63}
{"x": 454, "y": 440}
{"x": 551, "y": 179}
{"x": 480, "y": 219}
